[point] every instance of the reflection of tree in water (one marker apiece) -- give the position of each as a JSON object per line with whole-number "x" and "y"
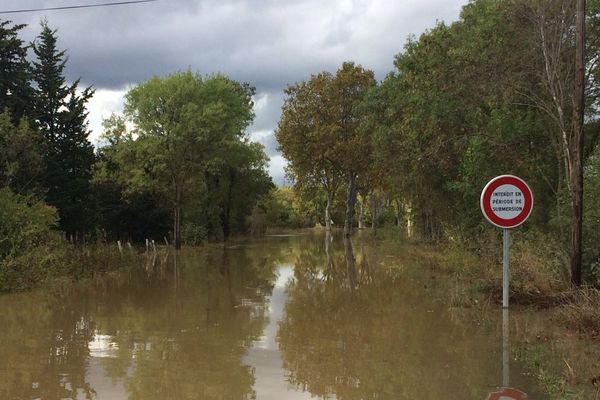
{"x": 187, "y": 340}
{"x": 44, "y": 348}
{"x": 359, "y": 332}
{"x": 177, "y": 332}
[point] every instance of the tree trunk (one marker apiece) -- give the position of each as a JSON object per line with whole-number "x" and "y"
{"x": 398, "y": 213}
{"x": 410, "y": 223}
{"x": 177, "y": 220}
{"x": 328, "y": 211}
{"x": 576, "y": 175}
{"x": 350, "y": 202}
{"x": 361, "y": 212}
{"x": 226, "y": 213}
{"x": 328, "y": 240}
{"x": 374, "y": 212}
{"x": 350, "y": 264}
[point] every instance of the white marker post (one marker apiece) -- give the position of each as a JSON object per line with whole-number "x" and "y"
{"x": 506, "y": 201}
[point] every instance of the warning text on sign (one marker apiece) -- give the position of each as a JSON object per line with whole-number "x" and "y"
{"x": 507, "y": 201}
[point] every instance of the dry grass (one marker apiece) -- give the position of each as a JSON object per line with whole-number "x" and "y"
{"x": 581, "y": 312}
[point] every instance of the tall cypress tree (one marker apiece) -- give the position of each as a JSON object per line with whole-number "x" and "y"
{"x": 60, "y": 111}
{"x": 15, "y": 78}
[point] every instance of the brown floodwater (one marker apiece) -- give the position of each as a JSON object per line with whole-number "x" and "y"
{"x": 279, "y": 317}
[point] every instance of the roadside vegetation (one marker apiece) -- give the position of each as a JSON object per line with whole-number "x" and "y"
{"x": 490, "y": 94}
{"x": 177, "y": 167}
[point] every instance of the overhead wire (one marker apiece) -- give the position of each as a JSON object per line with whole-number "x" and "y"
{"x": 115, "y": 3}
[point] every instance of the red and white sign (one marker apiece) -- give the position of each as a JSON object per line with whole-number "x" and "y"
{"x": 506, "y": 201}
{"x": 507, "y": 394}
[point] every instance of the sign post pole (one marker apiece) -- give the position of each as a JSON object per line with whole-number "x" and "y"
{"x": 505, "y": 349}
{"x": 505, "y": 266}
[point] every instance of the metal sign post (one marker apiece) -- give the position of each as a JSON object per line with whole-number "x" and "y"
{"x": 506, "y": 201}
{"x": 506, "y": 392}
{"x": 505, "y": 349}
{"x": 505, "y": 260}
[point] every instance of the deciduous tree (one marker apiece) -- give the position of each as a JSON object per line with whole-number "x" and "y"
{"x": 181, "y": 121}
{"x": 319, "y": 133}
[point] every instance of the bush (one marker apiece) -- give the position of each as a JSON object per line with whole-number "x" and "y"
{"x": 194, "y": 234}
{"x": 30, "y": 249}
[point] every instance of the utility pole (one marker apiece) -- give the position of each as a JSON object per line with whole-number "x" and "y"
{"x": 578, "y": 121}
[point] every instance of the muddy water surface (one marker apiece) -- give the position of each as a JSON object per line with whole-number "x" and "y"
{"x": 281, "y": 317}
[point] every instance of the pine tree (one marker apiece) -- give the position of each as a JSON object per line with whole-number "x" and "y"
{"x": 15, "y": 78}
{"x": 60, "y": 112}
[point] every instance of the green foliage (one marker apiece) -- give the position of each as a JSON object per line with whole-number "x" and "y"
{"x": 284, "y": 209}
{"x": 15, "y": 78}
{"x": 123, "y": 211}
{"x": 591, "y": 220}
{"x": 60, "y": 113}
{"x": 320, "y": 132}
{"x": 236, "y": 181}
{"x": 194, "y": 234}
{"x": 30, "y": 249}
{"x": 21, "y": 156}
{"x": 187, "y": 157}
{"x": 453, "y": 115}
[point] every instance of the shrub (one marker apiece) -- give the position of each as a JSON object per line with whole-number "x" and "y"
{"x": 30, "y": 249}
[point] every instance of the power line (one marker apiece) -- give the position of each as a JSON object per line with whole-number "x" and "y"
{"x": 116, "y": 3}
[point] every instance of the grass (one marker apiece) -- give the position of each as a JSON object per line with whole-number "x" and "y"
{"x": 581, "y": 313}
{"x": 562, "y": 349}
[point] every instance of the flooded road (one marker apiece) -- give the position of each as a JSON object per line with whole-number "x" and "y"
{"x": 280, "y": 317}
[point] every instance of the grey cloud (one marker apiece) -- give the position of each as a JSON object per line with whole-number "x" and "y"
{"x": 267, "y": 43}
{"x": 268, "y": 108}
{"x": 268, "y": 140}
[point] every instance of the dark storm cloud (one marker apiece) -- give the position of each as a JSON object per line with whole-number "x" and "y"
{"x": 267, "y": 43}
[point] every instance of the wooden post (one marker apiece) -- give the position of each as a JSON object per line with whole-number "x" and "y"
{"x": 119, "y": 245}
{"x": 147, "y": 245}
{"x": 166, "y": 241}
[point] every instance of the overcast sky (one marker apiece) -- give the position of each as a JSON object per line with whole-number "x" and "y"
{"x": 267, "y": 43}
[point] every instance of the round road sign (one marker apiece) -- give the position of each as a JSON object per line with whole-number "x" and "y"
{"x": 506, "y": 201}
{"x": 507, "y": 394}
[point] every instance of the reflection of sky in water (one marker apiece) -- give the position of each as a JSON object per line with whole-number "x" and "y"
{"x": 102, "y": 346}
{"x": 264, "y": 356}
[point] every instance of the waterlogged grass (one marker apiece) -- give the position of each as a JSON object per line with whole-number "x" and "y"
{"x": 566, "y": 366}
{"x": 57, "y": 267}
{"x": 563, "y": 349}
